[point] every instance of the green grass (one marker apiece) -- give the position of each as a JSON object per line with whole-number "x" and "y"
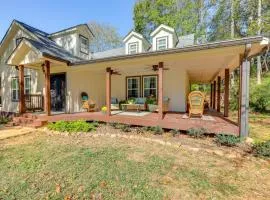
{"x": 259, "y": 125}
{"x": 117, "y": 169}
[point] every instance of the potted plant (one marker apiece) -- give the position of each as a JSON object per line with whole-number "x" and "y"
{"x": 152, "y": 104}
{"x": 104, "y": 109}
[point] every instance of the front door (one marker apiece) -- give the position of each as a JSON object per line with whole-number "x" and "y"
{"x": 58, "y": 92}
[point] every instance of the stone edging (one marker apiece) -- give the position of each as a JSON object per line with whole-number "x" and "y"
{"x": 157, "y": 141}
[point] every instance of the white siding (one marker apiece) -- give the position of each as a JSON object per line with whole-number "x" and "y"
{"x": 7, "y": 72}
{"x": 163, "y": 33}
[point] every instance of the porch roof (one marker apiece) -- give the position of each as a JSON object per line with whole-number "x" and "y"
{"x": 202, "y": 62}
{"x": 32, "y": 53}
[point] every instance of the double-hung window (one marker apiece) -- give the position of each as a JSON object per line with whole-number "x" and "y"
{"x": 133, "y": 87}
{"x": 15, "y": 87}
{"x": 133, "y": 48}
{"x": 162, "y": 43}
{"x": 150, "y": 86}
{"x": 84, "y": 44}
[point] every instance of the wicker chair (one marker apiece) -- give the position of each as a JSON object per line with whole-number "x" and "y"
{"x": 196, "y": 103}
{"x": 87, "y": 104}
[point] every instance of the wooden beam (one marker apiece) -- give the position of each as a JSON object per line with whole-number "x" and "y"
{"x": 218, "y": 93}
{"x": 244, "y": 97}
{"x": 47, "y": 105}
{"x": 160, "y": 90}
{"x": 214, "y": 94}
{"x": 21, "y": 90}
{"x": 108, "y": 90}
{"x": 211, "y": 96}
{"x": 226, "y": 92}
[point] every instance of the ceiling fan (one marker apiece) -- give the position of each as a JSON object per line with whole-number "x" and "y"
{"x": 155, "y": 68}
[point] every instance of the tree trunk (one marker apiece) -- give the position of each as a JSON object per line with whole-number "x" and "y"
{"x": 232, "y": 19}
{"x": 259, "y": 64}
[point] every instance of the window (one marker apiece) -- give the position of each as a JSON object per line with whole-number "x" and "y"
{"x": 18, "y": 40}
{"x": 15, "y": 87}
{"x": 162, "y": 43}
{"x": 133, "y": 48}
{"x": 133, "y": 87}
{"x": 149, "y": 86}
{"x": 84, "y": 44}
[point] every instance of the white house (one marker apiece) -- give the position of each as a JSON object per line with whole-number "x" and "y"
{"x": 58, "y": 67}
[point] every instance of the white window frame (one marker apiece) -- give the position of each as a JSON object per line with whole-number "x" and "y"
{"x": 135, "y": 50}
{"x": 138, "y": 78}
{"x": 84, "y": 48}
{"x": 156, "y": 88}
{"x": 162, "y": 47}
{"x": 27, "y": 90}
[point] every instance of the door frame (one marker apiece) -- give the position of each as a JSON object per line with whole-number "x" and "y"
{"x": 65, "y": 97}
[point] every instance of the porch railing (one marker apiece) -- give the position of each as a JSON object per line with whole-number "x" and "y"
{"x": 34, "y": 102}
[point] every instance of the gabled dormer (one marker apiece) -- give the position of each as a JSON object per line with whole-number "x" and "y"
{"x": 75, "y": 39}
{"x": 163, "y": 37}
{"x": 135, "y": 43}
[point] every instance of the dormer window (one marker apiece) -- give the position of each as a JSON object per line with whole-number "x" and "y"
{"x": 162, "y": 43}
{"x": 133, "y": 48}
{"x": 84, "y": 44}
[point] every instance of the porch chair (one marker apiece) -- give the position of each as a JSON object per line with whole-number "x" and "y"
{"x": 196, "y": 103}
{"x": 87, "y": 104}
{"x": 114, "y": 104}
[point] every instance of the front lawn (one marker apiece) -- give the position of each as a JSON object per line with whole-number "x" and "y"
{"x": 42, "y": 166}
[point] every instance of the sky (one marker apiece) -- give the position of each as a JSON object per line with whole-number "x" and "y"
{"x": 53, "y": 15}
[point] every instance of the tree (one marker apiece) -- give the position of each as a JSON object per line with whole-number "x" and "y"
{"x": 106, "y": 37}
{"x": 185, "y": 16}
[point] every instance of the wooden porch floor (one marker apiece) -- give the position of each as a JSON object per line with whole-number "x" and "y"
{"x": 213, "y": 121}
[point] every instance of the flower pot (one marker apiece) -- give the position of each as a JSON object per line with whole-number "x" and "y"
{"x": 152, "y": 107}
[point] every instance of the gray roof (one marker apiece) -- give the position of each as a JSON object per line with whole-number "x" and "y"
{"x": 47, "y": 46}
{"x": 109, "y": 53}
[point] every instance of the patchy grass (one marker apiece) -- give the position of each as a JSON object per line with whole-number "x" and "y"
{"x": 259, "y": 125}
{"x": 82, "y": 167}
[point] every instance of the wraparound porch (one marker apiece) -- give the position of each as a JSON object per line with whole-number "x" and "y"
{"x": 213, "y": 121}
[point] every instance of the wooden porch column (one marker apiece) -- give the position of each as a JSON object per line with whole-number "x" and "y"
{"x": 214, "y": 95}
{"x": 244, "y": 98}
{"x": 226, "y": 92}
{"x": 211, "y": 96}
{"x": 21, "y": 90}
{"x": 108, "y": 90}
{"x": 47, "y": 87}
{"x": 218, "y": 93}
{"x": 160, "y": 90}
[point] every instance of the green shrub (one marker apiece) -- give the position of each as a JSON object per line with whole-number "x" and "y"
{"x": 72, "y": 127}
{"x": 175, "y": 132}
{"x": 260, "y": 95}
{"x": 115, "y": 125}
{"x": 157, "y": 130}
{"x": 196, "y": 132}
{"x": 147, "y": 128}
{"x": 125, "y": 127}
{"x": 227, "y": 140}
{"x": 262, "y": 149}
{"x": 4, "y": 119}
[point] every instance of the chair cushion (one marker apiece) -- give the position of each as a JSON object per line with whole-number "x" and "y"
{"x": 140, "y": 100}
{"x": 114, "y": 100}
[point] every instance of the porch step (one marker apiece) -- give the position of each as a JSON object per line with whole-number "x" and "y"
{"x": 37, "y": 123}
{"x": 28, "y": 120}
